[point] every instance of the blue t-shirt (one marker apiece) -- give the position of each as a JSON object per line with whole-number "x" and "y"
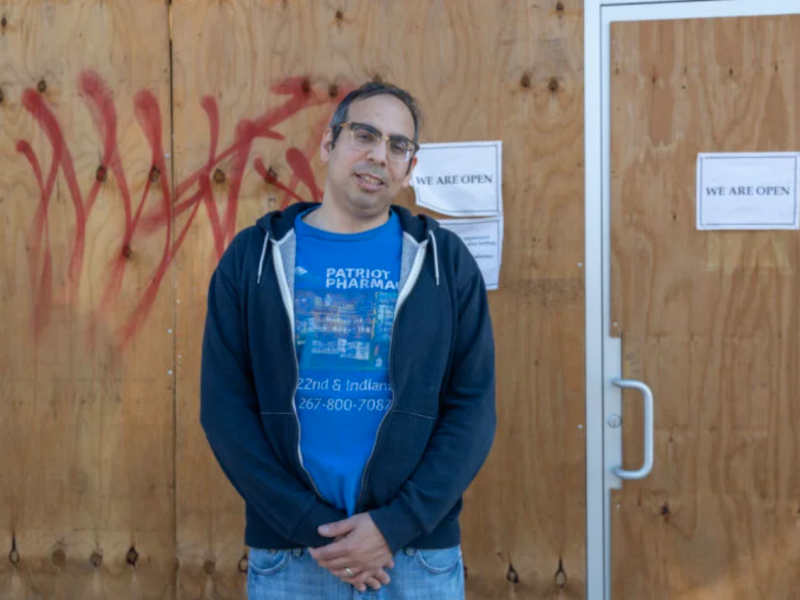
{"x": 345, "y": 289}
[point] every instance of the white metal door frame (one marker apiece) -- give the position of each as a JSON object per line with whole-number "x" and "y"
{"x": 603, "y": 352}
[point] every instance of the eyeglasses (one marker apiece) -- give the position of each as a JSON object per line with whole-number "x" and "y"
{"x": 365, "y": 138}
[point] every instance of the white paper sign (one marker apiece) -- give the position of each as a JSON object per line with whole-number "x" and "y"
{"x": 484, "y": 238}
{"x": 748, "y": 191}
{"x": 461, "y": 179}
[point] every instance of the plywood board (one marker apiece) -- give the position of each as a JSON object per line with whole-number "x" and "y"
{"x": 86, "y": 352}
{"x": 481, "y": 71}
{"x": 708, "y": 319}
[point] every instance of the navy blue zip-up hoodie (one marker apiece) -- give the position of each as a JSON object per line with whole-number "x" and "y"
{"x": 432, "y": 441}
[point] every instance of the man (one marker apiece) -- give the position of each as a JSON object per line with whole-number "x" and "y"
{"x": 348, "y": 376}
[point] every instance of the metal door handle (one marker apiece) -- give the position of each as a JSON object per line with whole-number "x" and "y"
{"x": 647, "y": 397}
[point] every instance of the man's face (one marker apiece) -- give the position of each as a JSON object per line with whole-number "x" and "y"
{"x": 364, "y": 183}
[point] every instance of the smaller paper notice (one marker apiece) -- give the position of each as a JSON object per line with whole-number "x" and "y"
{"x": 460, "y": 179}
{"x": 748, "y": 191}
{"x": 484, "y": 238}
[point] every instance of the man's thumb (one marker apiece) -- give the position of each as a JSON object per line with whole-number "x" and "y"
{"x": 338, "y": 528}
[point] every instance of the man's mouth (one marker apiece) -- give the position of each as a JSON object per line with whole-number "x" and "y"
{"x": 369, "y": 181}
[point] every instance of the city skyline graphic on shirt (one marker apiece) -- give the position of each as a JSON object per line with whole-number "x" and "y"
{"x": 343, "y": 328}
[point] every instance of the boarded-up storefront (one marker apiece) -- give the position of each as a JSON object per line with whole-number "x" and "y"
{"x": 136, "y": 138}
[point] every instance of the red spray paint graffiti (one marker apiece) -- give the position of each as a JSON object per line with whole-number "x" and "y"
{"x": 189, "y": 195}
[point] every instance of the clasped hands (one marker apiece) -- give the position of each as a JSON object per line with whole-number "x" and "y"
{"x": 359, "y": 555}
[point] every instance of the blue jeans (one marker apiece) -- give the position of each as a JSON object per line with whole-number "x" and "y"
{"x": 294, "y": 575}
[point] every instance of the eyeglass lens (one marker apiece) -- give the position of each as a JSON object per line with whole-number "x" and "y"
{"x": 366, "y": 138}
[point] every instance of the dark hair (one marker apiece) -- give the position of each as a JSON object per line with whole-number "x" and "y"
{"x": 368, "y": 90}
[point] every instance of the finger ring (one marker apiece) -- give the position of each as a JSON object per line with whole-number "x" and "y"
{"x": 349, "y": 572}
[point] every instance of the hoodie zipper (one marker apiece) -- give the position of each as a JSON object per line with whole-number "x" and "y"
{"x": 413, "y": 276}
{"x": 288, "y": 304}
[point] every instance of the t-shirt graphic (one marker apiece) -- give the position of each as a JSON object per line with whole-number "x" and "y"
{"x": 345, "y": 288}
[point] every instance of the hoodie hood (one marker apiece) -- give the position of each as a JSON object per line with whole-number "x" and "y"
{"x": 279, "y": 223}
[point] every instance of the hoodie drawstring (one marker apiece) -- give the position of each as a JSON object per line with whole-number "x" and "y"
{"x": 261, "y": 262}
{"x": 435, "y": 257}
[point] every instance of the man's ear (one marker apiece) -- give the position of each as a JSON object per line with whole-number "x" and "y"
{"x": 326, "y": 145}
{"x": 407, "y": 178}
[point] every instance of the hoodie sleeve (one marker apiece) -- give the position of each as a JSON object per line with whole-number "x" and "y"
{"x": 230, "y": 416}
{"x": 465, "y": 429}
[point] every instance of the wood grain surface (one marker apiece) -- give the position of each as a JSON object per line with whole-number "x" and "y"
{"x": 86, "y": 357}
{"x": 708, "y": 319}
{"x": 107, "y": 486}
{"x": 481, "y": 71}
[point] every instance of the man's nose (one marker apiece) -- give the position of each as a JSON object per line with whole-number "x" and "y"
{"x": 378, "y": 153}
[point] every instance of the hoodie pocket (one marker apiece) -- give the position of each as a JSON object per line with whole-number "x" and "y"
{"x": 280, "y": 430}
{"x": 400, "y": 447}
